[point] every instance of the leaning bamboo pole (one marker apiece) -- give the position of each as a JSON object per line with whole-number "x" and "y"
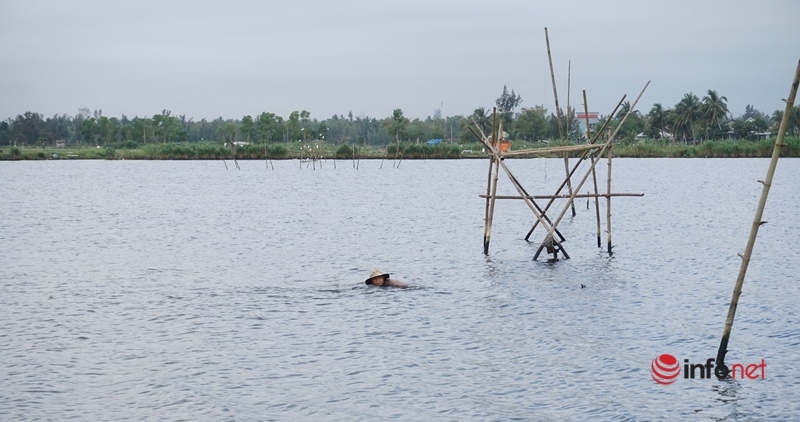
{"x": 577, "y": 164}
{"x": 721, "y": 370}
{"x": 558, "y": 116}
{"x": 594, "y": 171}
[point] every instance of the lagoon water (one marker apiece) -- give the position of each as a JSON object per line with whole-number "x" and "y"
{"x": 187, "y": 291}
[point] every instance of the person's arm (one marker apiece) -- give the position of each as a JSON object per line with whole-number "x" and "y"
{"x": 396, "y": 283}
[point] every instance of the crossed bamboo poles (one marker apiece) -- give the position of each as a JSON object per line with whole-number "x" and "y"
{"x": 592, "y": 151}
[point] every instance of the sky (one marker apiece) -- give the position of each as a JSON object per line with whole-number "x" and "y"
{"x": 209, "y": 59}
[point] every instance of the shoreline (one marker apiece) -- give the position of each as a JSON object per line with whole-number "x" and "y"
{"x": 408, "y": 151}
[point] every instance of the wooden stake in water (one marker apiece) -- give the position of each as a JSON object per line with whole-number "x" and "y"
{"x": 594, "y": 172}
{"x": 610, "y": 155}
{"x": 721, "y": 370}
{"x": 491, "y": 188}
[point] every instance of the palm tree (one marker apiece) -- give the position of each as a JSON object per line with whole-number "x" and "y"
{"x": 482, "y": 119}
{"x": 657, "y": 118}
{"x": 687, "y": 112}
{"x": 623, "y": 109}
{"x": 714, "y": 108}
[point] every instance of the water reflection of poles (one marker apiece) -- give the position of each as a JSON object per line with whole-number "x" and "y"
{"x": 721, "y": 370}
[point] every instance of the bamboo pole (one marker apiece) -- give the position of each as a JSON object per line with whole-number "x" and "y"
{"x": 580, "y": 160}
{"x": 396, "y": 151}
{"x": 580, "y": 195}
{"x": 567, "y": 119}
{"x": 569, "y": 82}
{"x": 558, "y": 115}
{"x": 594, "y": 171}
{"x": 401, "y": 156}
{"x": 610, "y": 155}
{"x": 721, "y": 370}
{"x": 544, "y": 151}
{"x": 487, "y": 228}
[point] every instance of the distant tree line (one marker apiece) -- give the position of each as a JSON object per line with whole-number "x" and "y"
{"x": 691, "y": 120}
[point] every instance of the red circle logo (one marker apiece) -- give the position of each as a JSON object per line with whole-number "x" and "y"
{"x": 665, "y": 369}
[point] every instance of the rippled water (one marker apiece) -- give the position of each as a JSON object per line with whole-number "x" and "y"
{"x": 182, "y": 290}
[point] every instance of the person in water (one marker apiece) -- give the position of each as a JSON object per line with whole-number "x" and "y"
{"x": 381, "y": 279}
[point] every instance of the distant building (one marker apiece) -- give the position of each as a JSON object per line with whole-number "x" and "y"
{"x": 60, "y": 143}
{"x": 594, "y": 117}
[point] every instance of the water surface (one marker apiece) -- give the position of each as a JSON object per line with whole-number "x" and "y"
{"x": 182, "y": 290}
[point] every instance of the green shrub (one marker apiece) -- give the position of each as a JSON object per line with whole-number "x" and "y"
{"x": 345, "y": 151}
{"x": 277, "y": 151}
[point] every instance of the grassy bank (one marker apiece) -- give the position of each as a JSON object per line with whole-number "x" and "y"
{"x": 715, "y": 149}
{"x": 215, "y": 151}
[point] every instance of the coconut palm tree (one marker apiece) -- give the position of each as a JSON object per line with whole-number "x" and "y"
{"x": 687, "y": 113}
{"x": 714, "y": 109}
{"x": 482, "y": 119}
{"x": 657, "y": 119}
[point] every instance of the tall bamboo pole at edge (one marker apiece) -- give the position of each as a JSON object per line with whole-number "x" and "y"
{"x": 558, "y": 118}
{"x": 721, "y": 370}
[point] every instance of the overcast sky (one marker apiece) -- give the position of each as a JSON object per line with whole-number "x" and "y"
{"x": 208, "y": 59}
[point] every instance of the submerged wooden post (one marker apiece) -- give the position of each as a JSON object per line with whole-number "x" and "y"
{"x": 594, "y": 172}
{"x": 721, "y": 370}
{"x": 558, "y": 117}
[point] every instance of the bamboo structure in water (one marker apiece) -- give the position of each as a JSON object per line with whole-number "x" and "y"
{"x": 721, "y": 370}
{"x": 553, "y": 238}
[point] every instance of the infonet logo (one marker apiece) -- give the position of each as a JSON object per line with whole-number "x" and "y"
{"x": 665, "y": 370}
